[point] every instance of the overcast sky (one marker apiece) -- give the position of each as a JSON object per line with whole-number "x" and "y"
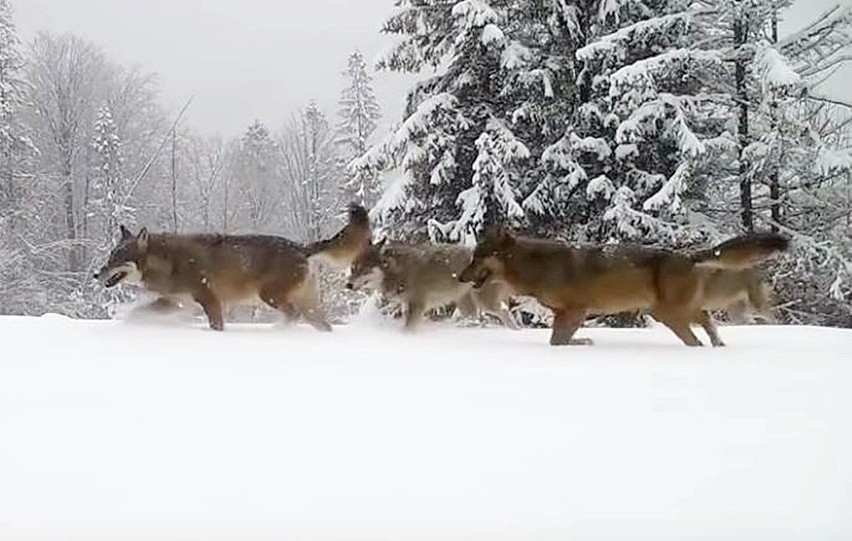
{"x": 247, "y": 59}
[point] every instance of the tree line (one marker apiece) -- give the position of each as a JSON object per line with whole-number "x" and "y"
{"x": 665, "y": 122}
{"x": 87, "y": 146}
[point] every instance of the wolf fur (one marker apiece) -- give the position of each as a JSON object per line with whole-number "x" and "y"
{"x": 220, "y": 270}
{"x": 740, "y": 293}
{"x": 574, "y": 282}
{"x": 425, "y": 276}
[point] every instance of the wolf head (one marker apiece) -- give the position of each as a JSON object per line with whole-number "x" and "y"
{"x": 368, "y": 269}
{"x": 125, "y": 260}
{"x": 488, "y": 257}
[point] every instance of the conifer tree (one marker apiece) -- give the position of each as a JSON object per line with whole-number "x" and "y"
{"x": 359, "y": 110}
{"x": 16, "y": 148}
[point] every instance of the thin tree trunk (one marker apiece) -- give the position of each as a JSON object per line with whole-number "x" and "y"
{"x": 84, "y": 227}
{"x": 774, "y": 181}
{"x": 70, "y": 218}
{"x": 174, "y": 183}
{"x": 740, "y": 37}
{"x": 225, "y": 209}
{"x": 11, "y": 191}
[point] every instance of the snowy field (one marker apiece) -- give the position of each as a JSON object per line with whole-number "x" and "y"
{"x": 113, "y": 431}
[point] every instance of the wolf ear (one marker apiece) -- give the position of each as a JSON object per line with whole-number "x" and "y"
{"x": 125, "y": 233}
{"x": 142, "y": 238}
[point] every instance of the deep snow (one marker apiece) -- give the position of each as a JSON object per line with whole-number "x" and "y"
{"x": 118, "y": 431}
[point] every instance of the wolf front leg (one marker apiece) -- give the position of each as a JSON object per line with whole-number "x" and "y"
{"x": 414, "y": 315}
{"x": 704, "y": 319}
{"x": 565, "y": 324}
{"x": 212, "y": 308}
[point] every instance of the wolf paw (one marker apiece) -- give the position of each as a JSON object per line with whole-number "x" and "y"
{"x": 558, "y": 341}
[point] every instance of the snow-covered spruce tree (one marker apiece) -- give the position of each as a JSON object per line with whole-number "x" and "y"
{"x": 15, "y": 146}
{"x": 359, "y": 112}
{"x": 107, "y": 184}
{"x": 257, "y": 173}
{"x": 697, "y": 123}
{"x": 18, "y": 278}
{"x": 107, "y": 202}
{"x": 491, "y": 199}
{"x": 648, "y": 127}
{"x": 501, "y": 66}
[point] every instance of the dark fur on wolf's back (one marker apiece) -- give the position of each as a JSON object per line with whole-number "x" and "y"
{"x": 742, "y": 252}
{"x": 215, "y": 270}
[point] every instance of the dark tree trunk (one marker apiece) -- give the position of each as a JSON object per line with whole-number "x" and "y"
{"x": 740, "y": 38}
{"x": 174, "y": 183}
{"x": 70, "y": 218}
{"x": 774, "y": 186}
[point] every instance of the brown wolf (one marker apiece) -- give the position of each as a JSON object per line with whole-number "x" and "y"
{"x": 425, "y": 276}
{"x": 217, "y": 270}
{"x": 574, "y": 282}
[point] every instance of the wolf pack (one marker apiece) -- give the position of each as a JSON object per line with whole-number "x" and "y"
{"x": 675, "y": 287}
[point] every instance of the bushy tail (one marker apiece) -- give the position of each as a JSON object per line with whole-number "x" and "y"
{"x": 743, "y": 252}
{"x": 341, "y": 249}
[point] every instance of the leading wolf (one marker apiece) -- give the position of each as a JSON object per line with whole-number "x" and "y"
{"x": 220, "y": 270}
{"x": 574, "y": 282}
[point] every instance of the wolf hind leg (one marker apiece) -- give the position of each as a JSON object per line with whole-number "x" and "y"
{"x": 276, "y": 298}
{"x": 565, "y": 324}
{"x": 466, "y": 306}
{"x": 759, "y": 294}
{"x": 212, "y": 308}
{"x": 305, "y": 299}
{"x": 490, "y": 300}
{"x": 414, "y": 315}
{"x": 678, "y": 325}
{"x": 704, "y": 319}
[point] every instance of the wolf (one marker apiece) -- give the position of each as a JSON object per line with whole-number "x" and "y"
{"x": 216, "y": 271}
{"x": 425, "y": 276}
{"x": 573, "y": 282}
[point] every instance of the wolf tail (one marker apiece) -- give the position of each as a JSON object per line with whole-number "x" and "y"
{"x": 743, "y": 252}
{"x": 341, "y": 249}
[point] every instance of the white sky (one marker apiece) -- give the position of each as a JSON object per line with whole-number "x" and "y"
{"x": 247, "y": 59}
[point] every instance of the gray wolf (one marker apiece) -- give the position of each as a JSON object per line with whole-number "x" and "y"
{"x": 574, "y": 282}
{"x": 220, "y": 270}
{"x": 425, "y": 276}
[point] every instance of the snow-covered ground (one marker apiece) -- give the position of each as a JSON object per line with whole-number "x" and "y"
{"x": 116, "y": 431}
